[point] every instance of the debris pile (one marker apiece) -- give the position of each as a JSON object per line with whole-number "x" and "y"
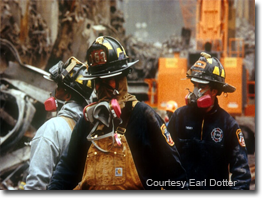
{"x": 29, "y": 34}
{"x": 30, "y": 27}
{"x": 147, "y": 54}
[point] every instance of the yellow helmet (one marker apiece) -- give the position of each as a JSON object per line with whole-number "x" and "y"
{"x": 171, "y": 106}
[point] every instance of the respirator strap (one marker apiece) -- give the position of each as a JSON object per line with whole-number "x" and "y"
{"x": 202, "y": 93}
{"x": 111, "y": 134}
{"x": 126, "y": 113}
{"x": 97, "y": 116}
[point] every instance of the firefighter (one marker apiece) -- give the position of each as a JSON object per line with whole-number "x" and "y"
{"x": 171, "y": 106}
{"x": 119, "y": 143}
{"x": 209, "y": 140}
{"x": 53, "y": 136}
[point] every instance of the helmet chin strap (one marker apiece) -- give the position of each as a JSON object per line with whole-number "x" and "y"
{"x": 115, "y": 92}
{"x": 201, "y": 93}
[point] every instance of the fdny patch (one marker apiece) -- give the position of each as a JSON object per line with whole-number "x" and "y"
{"x": 97, "y": 57}
{"x": 200, "y": 64}
{"x": 240, "y": 138}
{"x": 217, "y": 135}
{"x": 167, "y": 135}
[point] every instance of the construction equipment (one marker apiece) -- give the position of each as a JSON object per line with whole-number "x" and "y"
{"x": 212, "y": 37}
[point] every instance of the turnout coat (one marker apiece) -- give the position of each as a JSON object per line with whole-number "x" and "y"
{"x": 156, "y": 158}
{"x": 211, "y": 145}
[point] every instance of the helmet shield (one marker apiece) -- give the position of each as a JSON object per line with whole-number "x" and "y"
{"x": 106, "y": 58}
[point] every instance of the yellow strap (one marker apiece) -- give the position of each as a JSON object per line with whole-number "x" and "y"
{"x": 134, "y": 103}
{"x": 73, "y": 62}
{"x": 71, "y": 122}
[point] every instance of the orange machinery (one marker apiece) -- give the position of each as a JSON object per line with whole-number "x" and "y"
{"x": 212, "y": 27}
{"x": 171, "y": 83}
{"x": 211, "y": 30}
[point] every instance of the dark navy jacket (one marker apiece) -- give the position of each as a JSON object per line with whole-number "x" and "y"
{"x": 154, "y": 158}
{"x": 207, "y": 144}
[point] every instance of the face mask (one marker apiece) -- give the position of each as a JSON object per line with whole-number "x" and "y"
{"x": 106, "y": 113}
{"x": 92, "y": 111}
{"x": 197, "y": 96}
{"x": 50, "y": 104}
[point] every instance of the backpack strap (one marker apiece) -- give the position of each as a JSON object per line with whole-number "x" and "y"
{"x": 126, "y": 113}
{"x": 71, "y": 122}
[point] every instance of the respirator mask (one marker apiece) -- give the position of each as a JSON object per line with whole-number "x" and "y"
{"x": 51, "y": 104}
{"x": 198, "y": 97}
{"x": 106, "y": 116}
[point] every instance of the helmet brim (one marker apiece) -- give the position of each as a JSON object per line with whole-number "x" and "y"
{"x": 109, "y": 74}
{"x": 193, "y": 79}
{"x": 226, "y": 88}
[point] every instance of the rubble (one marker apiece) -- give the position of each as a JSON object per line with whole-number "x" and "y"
{"x": 79, "y": 23}
{"x": 23, "y": 92}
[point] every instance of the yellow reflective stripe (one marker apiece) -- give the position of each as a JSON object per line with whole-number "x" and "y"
{"x": 89, "y": 83}
{"x": 118, "y": 51}
{"x": 78, "y": 79}
{"x": 216, "y": 70}
{"x": 201, "y": 133}
{"x": 223, "y": 74}
{"x": 81, "y": 81}
{"x": 108, "y": 46}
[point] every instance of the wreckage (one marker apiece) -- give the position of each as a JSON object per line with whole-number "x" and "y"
{"x": 23, "y": 92}
{"x": 23, "y": 88}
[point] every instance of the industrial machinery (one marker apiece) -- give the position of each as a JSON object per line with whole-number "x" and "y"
{"x": 212, "y": 37}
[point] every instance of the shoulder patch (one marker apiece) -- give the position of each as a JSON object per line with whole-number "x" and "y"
{"x": 240, "y": 138}
{"x": 167, "y": 135}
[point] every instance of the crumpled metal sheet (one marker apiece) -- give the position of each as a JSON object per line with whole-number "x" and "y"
{"x": 23, "y": 113}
